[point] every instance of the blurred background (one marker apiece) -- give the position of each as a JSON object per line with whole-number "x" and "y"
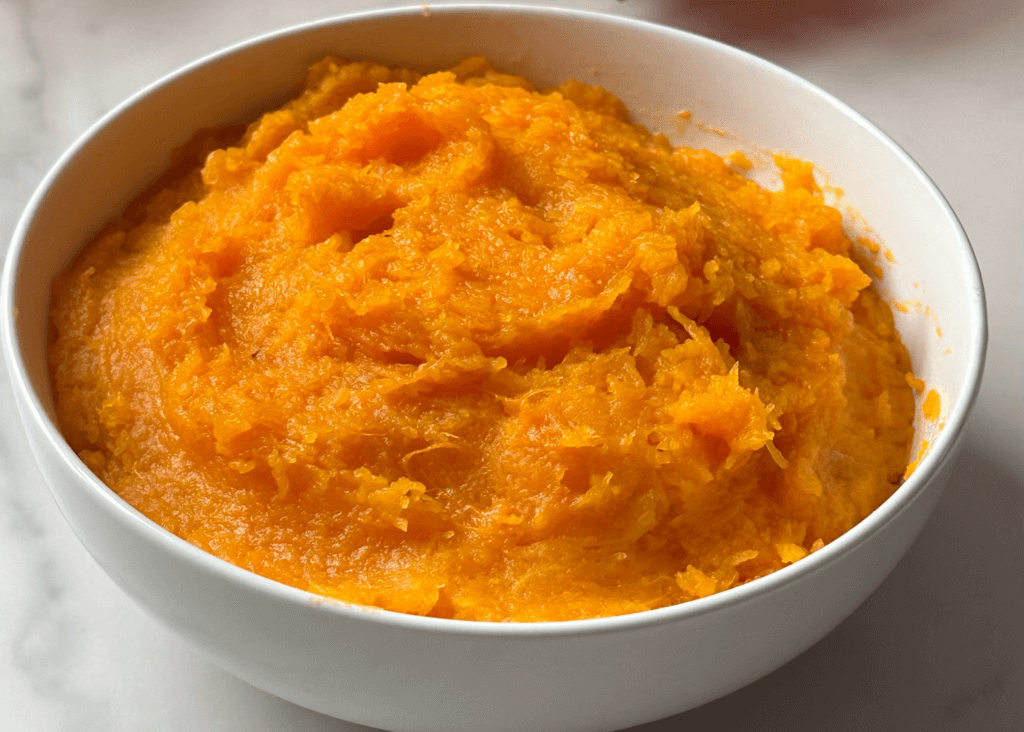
{"x": 940, "y": 646}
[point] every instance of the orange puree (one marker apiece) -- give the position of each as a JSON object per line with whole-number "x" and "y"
{"x": 452, "y": 346}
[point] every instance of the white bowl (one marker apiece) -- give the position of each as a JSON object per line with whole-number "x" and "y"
{"x": 402, "y": 672}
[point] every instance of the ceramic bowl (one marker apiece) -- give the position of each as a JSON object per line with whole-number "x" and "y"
{"x": 401, "y": 672}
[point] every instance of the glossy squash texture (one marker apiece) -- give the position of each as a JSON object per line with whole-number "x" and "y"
{"x": 452, "y": 346}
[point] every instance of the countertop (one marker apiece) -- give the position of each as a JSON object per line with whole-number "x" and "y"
{"x": 940, "y": 646}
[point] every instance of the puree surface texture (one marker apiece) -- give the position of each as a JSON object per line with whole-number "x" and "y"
{"x": 448, "y": 345}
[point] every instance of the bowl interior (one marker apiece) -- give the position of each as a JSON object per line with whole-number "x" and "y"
{"x": 656, "y": 71}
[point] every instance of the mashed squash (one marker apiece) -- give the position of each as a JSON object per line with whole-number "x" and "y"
{"x": 453, "y": 346}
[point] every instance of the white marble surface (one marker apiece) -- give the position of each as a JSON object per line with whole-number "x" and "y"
{"x": 939, "y": 647}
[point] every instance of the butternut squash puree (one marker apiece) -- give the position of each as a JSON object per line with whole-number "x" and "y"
{"x": 452, "y": 346}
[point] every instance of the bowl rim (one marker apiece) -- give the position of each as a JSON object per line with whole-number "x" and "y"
{"x": 943, "y": 446}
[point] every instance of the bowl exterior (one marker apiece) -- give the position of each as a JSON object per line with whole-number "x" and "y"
{"x": 406, "y": 673}
{"x": 360, "y": 665}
